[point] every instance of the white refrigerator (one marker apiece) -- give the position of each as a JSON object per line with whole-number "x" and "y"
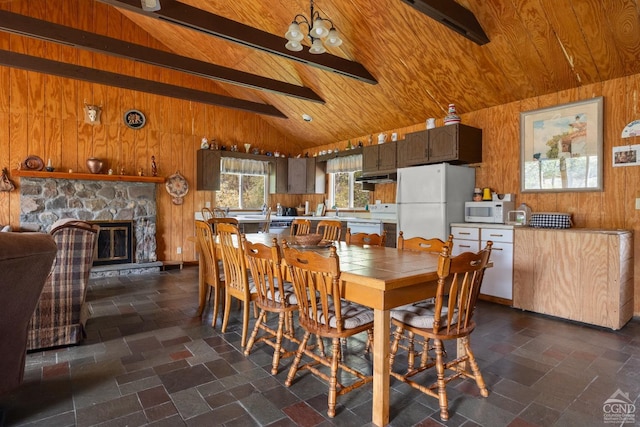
{"x": 431, "y": 197}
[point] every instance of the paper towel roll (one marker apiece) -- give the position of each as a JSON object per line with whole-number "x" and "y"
{"x": 306, "y": 207}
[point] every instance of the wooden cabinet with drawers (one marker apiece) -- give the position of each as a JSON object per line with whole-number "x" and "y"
{"x": 498, "y": 280}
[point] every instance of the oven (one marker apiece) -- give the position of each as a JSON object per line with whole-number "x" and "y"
{"x": 369, "y": 226}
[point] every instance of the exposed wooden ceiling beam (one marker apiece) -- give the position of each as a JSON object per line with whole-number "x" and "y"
{"x": 214, "y": 25}
{"x": 47, "y": 66}
{"x": 31, "y": 27}
{"x": 452, "y": 15}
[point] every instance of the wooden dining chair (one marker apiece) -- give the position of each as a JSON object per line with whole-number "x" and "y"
{"x": 274, "y": 295}
{"x": 222, "y": 220}
{"x": 421, "y": 244}
{"x": 264, "y": 227}
{"x": 210, "y": 274}
{"x": 323, "y": 312}
{"x": 237, "y": 282}
{"x": 330, "y": 229}
{"x": 365, "y": 239}
{"x": 450, "y": 317}
{"x": 432, "y": 245}
{"x": 219, "y": 213}
{"x": 207, "y": 214}
{"x": 300, "y": 226}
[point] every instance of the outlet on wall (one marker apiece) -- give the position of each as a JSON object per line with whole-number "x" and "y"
{"x": 179, "y": 250}
{"x": 207, "y": 205}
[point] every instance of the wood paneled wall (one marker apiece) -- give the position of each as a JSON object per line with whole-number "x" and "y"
{"x": 613, "y": 208}
{"x": 43, "y": 115}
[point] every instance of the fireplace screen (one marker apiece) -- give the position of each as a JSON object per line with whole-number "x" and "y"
{"x": 115, "y": 243}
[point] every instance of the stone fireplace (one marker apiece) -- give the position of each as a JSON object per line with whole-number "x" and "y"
{"x": 46, "y": 200}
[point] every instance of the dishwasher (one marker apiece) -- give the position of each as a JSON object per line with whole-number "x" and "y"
{"x": 369, "y": 226}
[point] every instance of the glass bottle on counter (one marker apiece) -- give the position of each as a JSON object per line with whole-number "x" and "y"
{"x": 279, "y": 209}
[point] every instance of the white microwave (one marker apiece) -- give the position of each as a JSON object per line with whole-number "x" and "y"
{"x": 493, "y": 211}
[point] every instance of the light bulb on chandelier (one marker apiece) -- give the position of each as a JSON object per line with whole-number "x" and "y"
{"x": 317, "y": 33}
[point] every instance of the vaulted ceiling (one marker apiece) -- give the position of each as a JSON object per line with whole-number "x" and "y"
{"x": 536, "y": 47}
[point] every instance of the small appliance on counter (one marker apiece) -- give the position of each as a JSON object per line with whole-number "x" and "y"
{"x": 494, "y": 211}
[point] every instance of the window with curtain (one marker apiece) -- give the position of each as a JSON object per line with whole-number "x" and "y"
{"x": 344, "y": 191}
{"x": 243, "y": 183}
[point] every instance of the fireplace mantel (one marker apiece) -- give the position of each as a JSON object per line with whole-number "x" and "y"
{"x": 86, "y": 176}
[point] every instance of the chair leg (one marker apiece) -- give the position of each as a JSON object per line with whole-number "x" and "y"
{"x": 397, "y": 336}
{"x": 333, "y": 379}
{"x": 410, "y": 351}
{"x": 215, "y": 291}
{"x": 252, "y": 339}
{"x": 227, "y": 309}
{"x": 442, "y": 385}
{"x": 278, "y": 345}
{"x": 475, "y": 368}
{"x": 298, "y": 358}
{"x": 245, "y": 321}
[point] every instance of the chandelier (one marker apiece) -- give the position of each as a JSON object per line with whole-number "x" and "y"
{"x": 316, "y": 30}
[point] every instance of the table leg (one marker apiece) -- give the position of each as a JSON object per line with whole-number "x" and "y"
{"x": 381, "y": 330}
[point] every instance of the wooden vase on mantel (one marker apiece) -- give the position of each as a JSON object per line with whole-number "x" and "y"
{"x": 94, "y": 165}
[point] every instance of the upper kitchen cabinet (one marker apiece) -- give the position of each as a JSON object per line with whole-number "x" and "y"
{"x": 208, "y": 170}
{"x": 379, "y": 158}
{"x": 456, "y": 144}
{"x": 278, "y": 176}
{"x": 305, "y": 176}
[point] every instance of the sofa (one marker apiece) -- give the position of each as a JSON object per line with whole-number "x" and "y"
{"x": 61, "y": 313}
{"x": 25, "y": 263}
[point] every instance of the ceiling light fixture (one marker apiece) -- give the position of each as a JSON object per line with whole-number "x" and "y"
{"x": 150, "y": 5}
{"x": 316, "y": 30}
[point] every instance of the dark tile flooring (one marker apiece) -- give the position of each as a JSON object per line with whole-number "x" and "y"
{"x": 148, "y": 360}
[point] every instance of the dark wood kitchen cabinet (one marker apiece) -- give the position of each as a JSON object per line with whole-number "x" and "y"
{"x": 456, "y": 144}
{"x": 305, "y": 176}
{"x": 208, "y": 170}
{"x": 279, "y": 176}
{"x": 379, "y": 158}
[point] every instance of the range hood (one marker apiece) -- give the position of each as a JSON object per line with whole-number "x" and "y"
{"x": 378, "y": 179}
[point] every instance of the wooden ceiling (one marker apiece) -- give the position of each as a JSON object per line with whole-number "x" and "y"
{"x": 536, "y": 47}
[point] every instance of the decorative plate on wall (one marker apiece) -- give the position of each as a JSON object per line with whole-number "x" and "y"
{"x": 33, "y": 163}
{"x": 134, "y": 119}
{"x": 177, "y": 187}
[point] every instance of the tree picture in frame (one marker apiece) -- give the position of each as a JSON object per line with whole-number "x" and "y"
{"x": 320, "y": 209}
{"x": 561, "y": 147}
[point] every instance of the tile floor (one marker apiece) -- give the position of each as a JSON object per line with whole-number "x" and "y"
{"x": 148, "y": 360}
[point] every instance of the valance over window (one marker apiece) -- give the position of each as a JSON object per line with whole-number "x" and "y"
{"x": 244, "y": 166}
{"x": 345, "y": 164}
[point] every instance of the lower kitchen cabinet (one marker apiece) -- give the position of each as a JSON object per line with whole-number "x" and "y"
{"x": 497, "y": 283}
{"x": 577, "y": 274}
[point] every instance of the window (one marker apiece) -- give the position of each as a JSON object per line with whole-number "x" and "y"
{"x": 243, "y": 183}
{"x": 345, "y": 192}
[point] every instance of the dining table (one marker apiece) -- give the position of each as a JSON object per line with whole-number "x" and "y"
{"x": 382, "y": 279}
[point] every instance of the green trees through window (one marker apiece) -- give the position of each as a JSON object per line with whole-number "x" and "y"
{"x": 242, "y": 191}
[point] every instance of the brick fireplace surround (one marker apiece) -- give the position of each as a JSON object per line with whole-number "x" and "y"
{"x": 43, "y": 201}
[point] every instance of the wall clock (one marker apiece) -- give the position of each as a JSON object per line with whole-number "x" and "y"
{"x": 134, "y": 119}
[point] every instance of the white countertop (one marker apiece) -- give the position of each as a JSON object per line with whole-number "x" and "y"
{"x": 259, "y": 218}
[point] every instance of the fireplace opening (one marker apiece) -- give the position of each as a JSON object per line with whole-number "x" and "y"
{"x": 115, "y": 243}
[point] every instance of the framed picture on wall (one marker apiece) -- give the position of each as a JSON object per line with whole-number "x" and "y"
{"x": 561, "y": 147}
